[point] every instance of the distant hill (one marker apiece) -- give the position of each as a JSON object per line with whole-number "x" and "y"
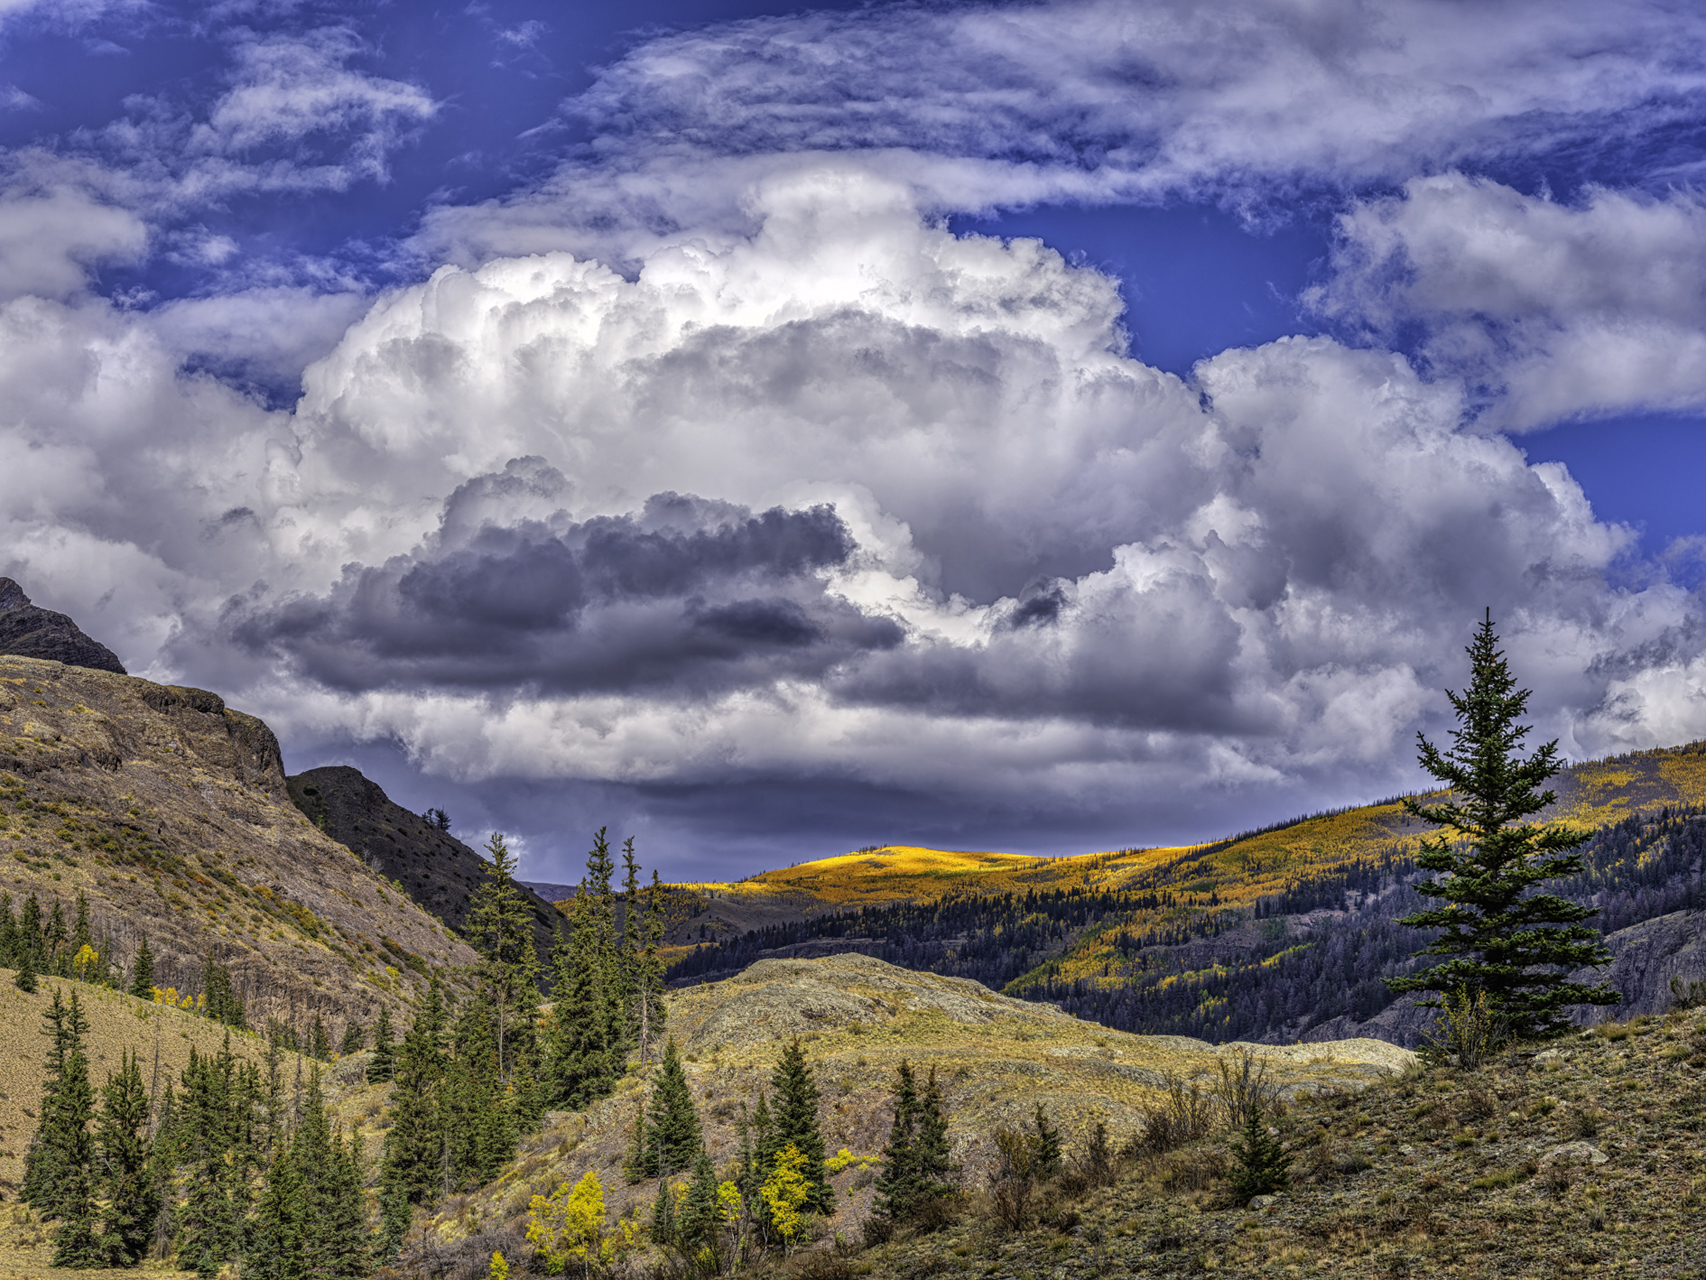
{"x": 169, "y": 810}
{"x": 1273, "y": 934}
{"x": 432, "y": 866}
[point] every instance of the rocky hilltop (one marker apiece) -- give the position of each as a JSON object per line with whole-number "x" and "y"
{"x": 169, "y": 810}
{"x": 31, "y": 632}
{"x": 437, "y": 870}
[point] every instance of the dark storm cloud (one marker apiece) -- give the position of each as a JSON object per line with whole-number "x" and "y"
{"x": 689, "y": 594}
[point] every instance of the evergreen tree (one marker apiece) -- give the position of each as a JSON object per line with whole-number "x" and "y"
{"x": 9, "y": 948}
{"x": 223, "y": 1003}
{"x": 30, "y": 931}
{"x": 72, "y": 1196}
{"x": 672, "y": 1136}
{"x": 414, "y": 1145}
{"x": 665, "y": 1228}
{"x": 80, "y": 935}
{"x": 795, "y": 1112}
{"x": 896, "y": 1186}
{"x": 142, "y": 972}
{"x": 125, "y": 1178}
{"x": 273, "y": 1248}
{"x": 1514, "y": 945}
{"x": 1262, "y": 1165}
{"x": 476, "y": 1120}
{"x": 1046, "y": 1146}
{"x": 648, "y": 978}
{"x": 500, "y": 929}
{"x": 696, "y": 1225}
{"x": 57, "y": 957}
{"x": 25, "y": 979}
{"x": 934, "y": 1167}
{"x": 328, "y": 1170}
{"x": 319, "y": 1043}
{"x": 383, "y": 1065}
{"x": 355, "y": 1039}
{"x": 395, "y": 1215}
{"x": 587, "y": 1046}
{"x": 208, "y": 1219}
{"x": 47, "y": 1175}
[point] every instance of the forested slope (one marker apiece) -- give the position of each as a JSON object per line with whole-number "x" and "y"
{"x": 1272, "y": 935}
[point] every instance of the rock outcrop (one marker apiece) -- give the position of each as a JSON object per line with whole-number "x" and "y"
{"x": 433, "y": 867}
{"x": 1645, "y": 957}
{"x": 31, "y": 632}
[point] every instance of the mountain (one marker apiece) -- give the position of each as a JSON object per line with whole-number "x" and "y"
{"x": 1273, "y": 935}
{"x": 29, "y": 632}
{"x": 168, "y": 810}
{"x": 434, "y": 868}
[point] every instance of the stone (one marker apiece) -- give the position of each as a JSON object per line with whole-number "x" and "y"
{"x": 1574, "y": 1153}
{"x": 30, "y": 632}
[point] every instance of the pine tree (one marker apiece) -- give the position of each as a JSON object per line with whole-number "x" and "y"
{"x": 395, "y": 1216}
{"x": 273, "y": 1250}
{"x": 896, "y": 1186}
{"x": 649, "y": 983}
{"x": 222, "y": 1001}
{"x": 383, "y": 1065}
{"x": 333, "y": 1230}
{"x": 319, "y": 1043}
{"x": 672, "y": 1136}
{"x": 142, "y": 972}
{"x": 1515, "y": 946}
{"x": 1262, "y": 1164}
{"x": 208, "y": 1220}
{"x": 587, "y": 1044}
{"x": 72, "y": 1197}
{"x": 696, "y": 1225}
{"x": 125, "y": 1178}
{"x": 9, "y": 938}
{"x": 500, "y": 929}
{"x": 48, "y": 1176}
{"x": 25, "y": 979}
{"x": 80, "y": 935}
{"x": 1045, "y": 1144}
{"x": 355, "y": 1039}
{"x": 57, "y": 957}
{"x": 414, "y": 1145}
{"x": 795, "y": 1112}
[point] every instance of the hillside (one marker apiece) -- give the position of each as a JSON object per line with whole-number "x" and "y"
{"x": 1271, "y": 935}
{"x": 1580, "y": 1159}
{"x": 858, "y": 1018}
{"x": 433, "y": 867}
{"x": 168, "y": 809}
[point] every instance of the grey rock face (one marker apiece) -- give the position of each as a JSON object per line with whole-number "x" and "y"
{"x": 30, "y": 632}
{"x": 1645, "y": 957}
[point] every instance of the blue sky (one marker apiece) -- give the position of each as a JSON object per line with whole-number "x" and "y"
{"x": 774, "y": 429}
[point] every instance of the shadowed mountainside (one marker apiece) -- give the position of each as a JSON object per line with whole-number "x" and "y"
{"x": 433, "y": 867}
{"x": 31, "y": 632}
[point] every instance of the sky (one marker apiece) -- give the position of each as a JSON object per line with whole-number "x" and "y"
{"x": 770, "y": 430}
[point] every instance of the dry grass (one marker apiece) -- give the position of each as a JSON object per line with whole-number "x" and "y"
{"x": 1434, "y": 1173}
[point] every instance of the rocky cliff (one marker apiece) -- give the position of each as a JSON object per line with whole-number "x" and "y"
{"x": 30, "y": 632}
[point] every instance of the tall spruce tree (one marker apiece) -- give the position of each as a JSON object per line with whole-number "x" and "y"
{"x": 586, "y": 1038}
{"x": 414, "y": 1144}
{"x": 209, "y": 1218}
{"x": 500, "y": 929}
{"x": 51, "y": 1150}
{"x": 333, "y": 1233}
{"x": 382, "y": 1066}
{"x": 273, "y": 1242}
{"x": 142, "y": 972}
{"x": 1515, "y": 945}
{"x": 124, "y": 1176}
{"x": 75, "y": 1240}
{"x": 795, "y": 1113}
{"x": 671, "y": 1135}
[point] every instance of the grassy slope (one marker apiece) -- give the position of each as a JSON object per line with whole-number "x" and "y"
{"x": 1437, "y": 1173}
{"x": 169, "y": 810}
